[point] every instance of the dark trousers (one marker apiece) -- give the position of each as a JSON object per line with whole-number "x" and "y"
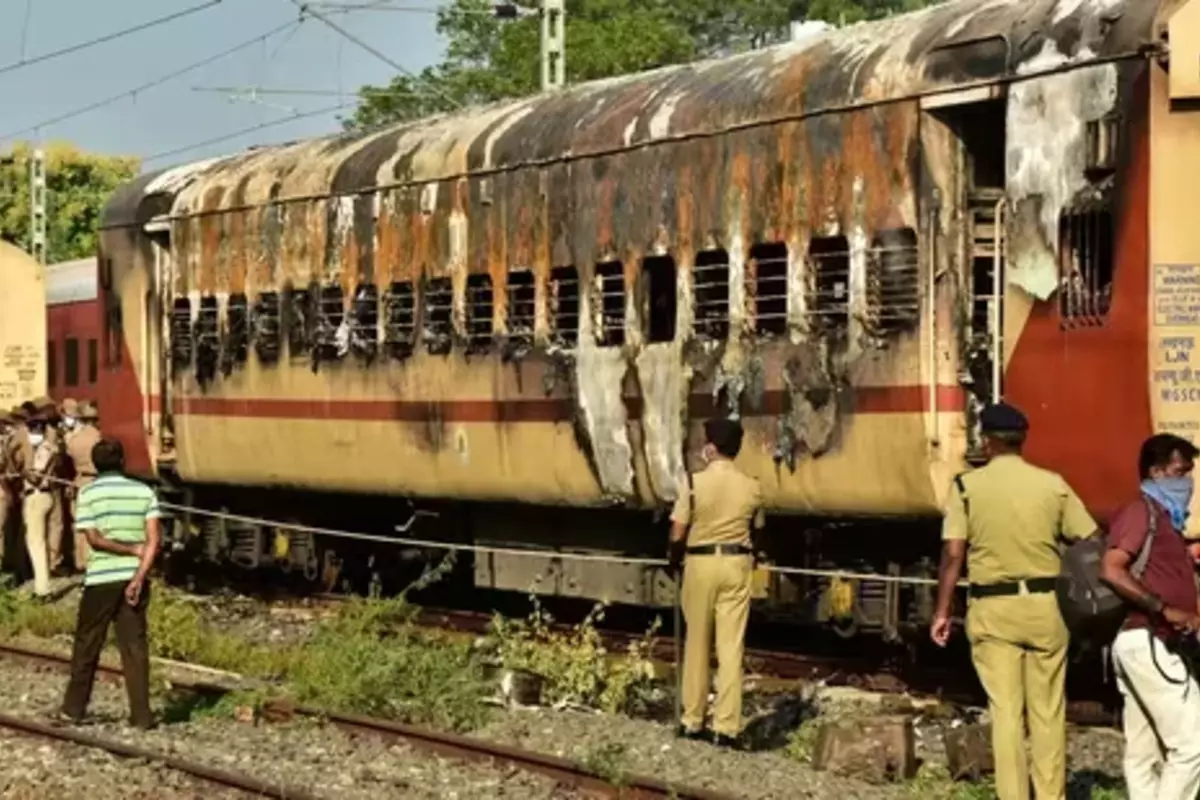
{"x": 100, "y": 606}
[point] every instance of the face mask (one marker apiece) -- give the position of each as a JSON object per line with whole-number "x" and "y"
{"x": 36, "y": 437}
{"x": 1174, "y": 494}
{"x": 70, "y": 422}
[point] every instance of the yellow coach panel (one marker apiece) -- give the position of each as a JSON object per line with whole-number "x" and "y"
{"x": 22, "y": 327}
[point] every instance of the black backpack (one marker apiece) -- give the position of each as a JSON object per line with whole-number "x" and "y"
{"x": 1089, "y": 606}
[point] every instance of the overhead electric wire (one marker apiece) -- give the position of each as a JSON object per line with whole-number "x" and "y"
{"x": 306, "y": 9}
{"x": 108, "y": 37}
{"x": 252, "y": 129}
{"x": 149, "y": 84}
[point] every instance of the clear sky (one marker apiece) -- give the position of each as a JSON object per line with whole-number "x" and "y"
{"x": 172, "y": 115}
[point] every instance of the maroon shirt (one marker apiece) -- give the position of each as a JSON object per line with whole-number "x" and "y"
{"x": 1168, "y": 572}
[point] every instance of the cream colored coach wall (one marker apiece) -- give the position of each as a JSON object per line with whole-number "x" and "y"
{"x": 22, "y": 327}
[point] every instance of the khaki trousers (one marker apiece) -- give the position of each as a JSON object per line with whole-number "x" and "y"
{"x": 1019, "y": 647}
{"x": 35, "y": 510}
{"x": 1161, "y": 719}
{"x": 82, "y": 548}
{"x": 715, "y": 599}
{"x": 54, "y": 529}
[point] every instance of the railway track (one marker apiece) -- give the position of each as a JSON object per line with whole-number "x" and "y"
{"x": 566, "y": 772}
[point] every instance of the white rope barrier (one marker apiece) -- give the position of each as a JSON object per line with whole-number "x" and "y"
{"x": 557, "y": 555}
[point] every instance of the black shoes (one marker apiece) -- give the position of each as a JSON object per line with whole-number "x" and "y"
{"x": 686, "y": 733}
{"x": 705, "y": 735}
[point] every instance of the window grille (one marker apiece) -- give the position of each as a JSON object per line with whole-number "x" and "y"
{"x": 710, "y": 294}
{"x": 1086, "y": 267}
{"x": 400, "y": 319}
{"x": 564, "y": 306}
{"x": 439, "y": 316}
{"x": 609, "y": 308}
{"x": 828, "y": 279}
{"x": 769, "y": 264}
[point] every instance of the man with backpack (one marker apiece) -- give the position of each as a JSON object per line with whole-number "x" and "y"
{"x": 1148, "y": 563}
{"x": 1005, "y": 521}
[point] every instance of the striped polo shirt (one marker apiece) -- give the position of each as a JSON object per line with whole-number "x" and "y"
{"x": 118, "y": 508}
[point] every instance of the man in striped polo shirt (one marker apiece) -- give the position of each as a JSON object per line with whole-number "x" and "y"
{"x": 119, "y": 517}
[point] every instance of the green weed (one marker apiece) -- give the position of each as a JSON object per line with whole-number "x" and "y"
{"x": 608, "y": 762}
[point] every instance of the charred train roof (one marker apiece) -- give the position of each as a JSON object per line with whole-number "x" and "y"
{"x": 938, "y": 48}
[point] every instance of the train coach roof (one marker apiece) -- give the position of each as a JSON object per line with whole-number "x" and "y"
{"x": 71, "y": 281}
{"x": 937, "y": 48}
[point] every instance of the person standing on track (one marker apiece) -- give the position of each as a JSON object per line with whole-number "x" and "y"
{"x": 81, "y": 439}
{"x": 1162, "y": 697}
{"x": 1005, "y": 520}
{"x": 120, "y": 518}
{"x": 37, "y": 504}
{"x": 712, "y": 522}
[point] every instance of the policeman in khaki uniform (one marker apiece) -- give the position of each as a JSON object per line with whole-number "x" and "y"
{"x": 1006, "y": 520}
{"x": 713, "y": 524}
{"x": 81, "y": 438}
{"x": 8, "y": 496}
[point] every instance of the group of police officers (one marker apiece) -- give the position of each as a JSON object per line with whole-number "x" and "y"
{"x": 45, "y": 459}
{"x": 1006, "y": 522}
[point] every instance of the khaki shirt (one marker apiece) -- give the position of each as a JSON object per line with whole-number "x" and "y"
{"x": 727, "y": 502}
{"x": 79, "y": 449}
{"x": 1018, "y": 513}
{"x": 43, "y": 463}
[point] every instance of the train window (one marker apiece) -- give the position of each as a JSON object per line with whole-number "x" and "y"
{"x": 609, "y": 309}
{"x": 268, "y": 340}
{"x": 332, "y": 339}
{"x": 237, "y": 332}
{"x": 828, "y": 277}
{"x": 710, "y": 293}
{"x": 51, "y": 365}
{"x": 1085, "y": 249}
{"x": 522, "y": 305}
{"x": 364, "y": 321}
{"x": 298, "y": 322}
{"x": 662, "y": 298}
{"x": 181, "y": 332}
{"x": 71, "y": 371}
{"x": 894, "y": 280}
{"x": 769, "y": 266}
{"x": 563, "y": 306}
{"x": 439, "y": 316}
{"x": 93, "y": 365}
{"x": 208, "y": 339}
{"x": 399, "y": 319}
{"x": 480, "y": 312}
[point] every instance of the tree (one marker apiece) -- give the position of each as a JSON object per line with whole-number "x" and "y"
{"x": 77, "y": 187}
{"x": 488, "y": 59}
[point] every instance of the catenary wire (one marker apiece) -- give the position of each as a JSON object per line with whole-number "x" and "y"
{"x": 149, "y": 84}
{"x": 108, "y": 37}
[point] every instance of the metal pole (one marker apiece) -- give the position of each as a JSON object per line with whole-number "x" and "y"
{"x": 37, "y": 205}
{"x": 554, "y": 17}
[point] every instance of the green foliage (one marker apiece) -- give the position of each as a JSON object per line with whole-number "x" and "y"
{"x": 576, "y": 666}
{"x": 370, "y": 660}
{"x": 77, "y": 187}
{"x": 489, "y": 59}
{"x": 609, "y": 762}
{"x": 932, "y": 782}
{"x": 802, "y": 742}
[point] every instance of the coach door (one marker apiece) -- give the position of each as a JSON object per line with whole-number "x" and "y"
{"x": 977, "y": 122}
{"x": 156, "y": 372}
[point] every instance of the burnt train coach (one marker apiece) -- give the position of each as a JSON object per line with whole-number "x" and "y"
{"x": 525, "y": 311}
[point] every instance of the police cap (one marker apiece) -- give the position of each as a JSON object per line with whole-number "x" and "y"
{"x": 1002, "y": 418}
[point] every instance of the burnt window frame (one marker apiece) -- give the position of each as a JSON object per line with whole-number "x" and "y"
{"x": 206, "y": 339}
{"x": 894, "y": 280}
{"x": 660, "y": 298}
{"x": 479, "y": 328}
{"x": 235, "y": 349}
{"x": 1088, "y": 305}
{"x": 437, "y": 332}
{"x": 298, "y": 330}
{"x": 609, "y": 274}
{"x": 521, "y": 296}
{"x": 563, "y": 313}
{"x": 266, "y": 322}
{"x": 712, "y": 302}
{"x": 363, "y": 313}
{"x": 181, "y": 345}
{"x": 399, "y": 302}
{"x": 330, "y": 316}
{"x": 770, "y": 309}
{"x": 827, "y": 264}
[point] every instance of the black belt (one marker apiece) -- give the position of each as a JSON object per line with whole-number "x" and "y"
{"x": 1032, "y": 586}
{"x": 720, "y": 550}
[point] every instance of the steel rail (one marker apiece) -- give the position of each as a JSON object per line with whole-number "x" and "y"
{"x": 462, "y": 748}
{"x": 231, "y": 780}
